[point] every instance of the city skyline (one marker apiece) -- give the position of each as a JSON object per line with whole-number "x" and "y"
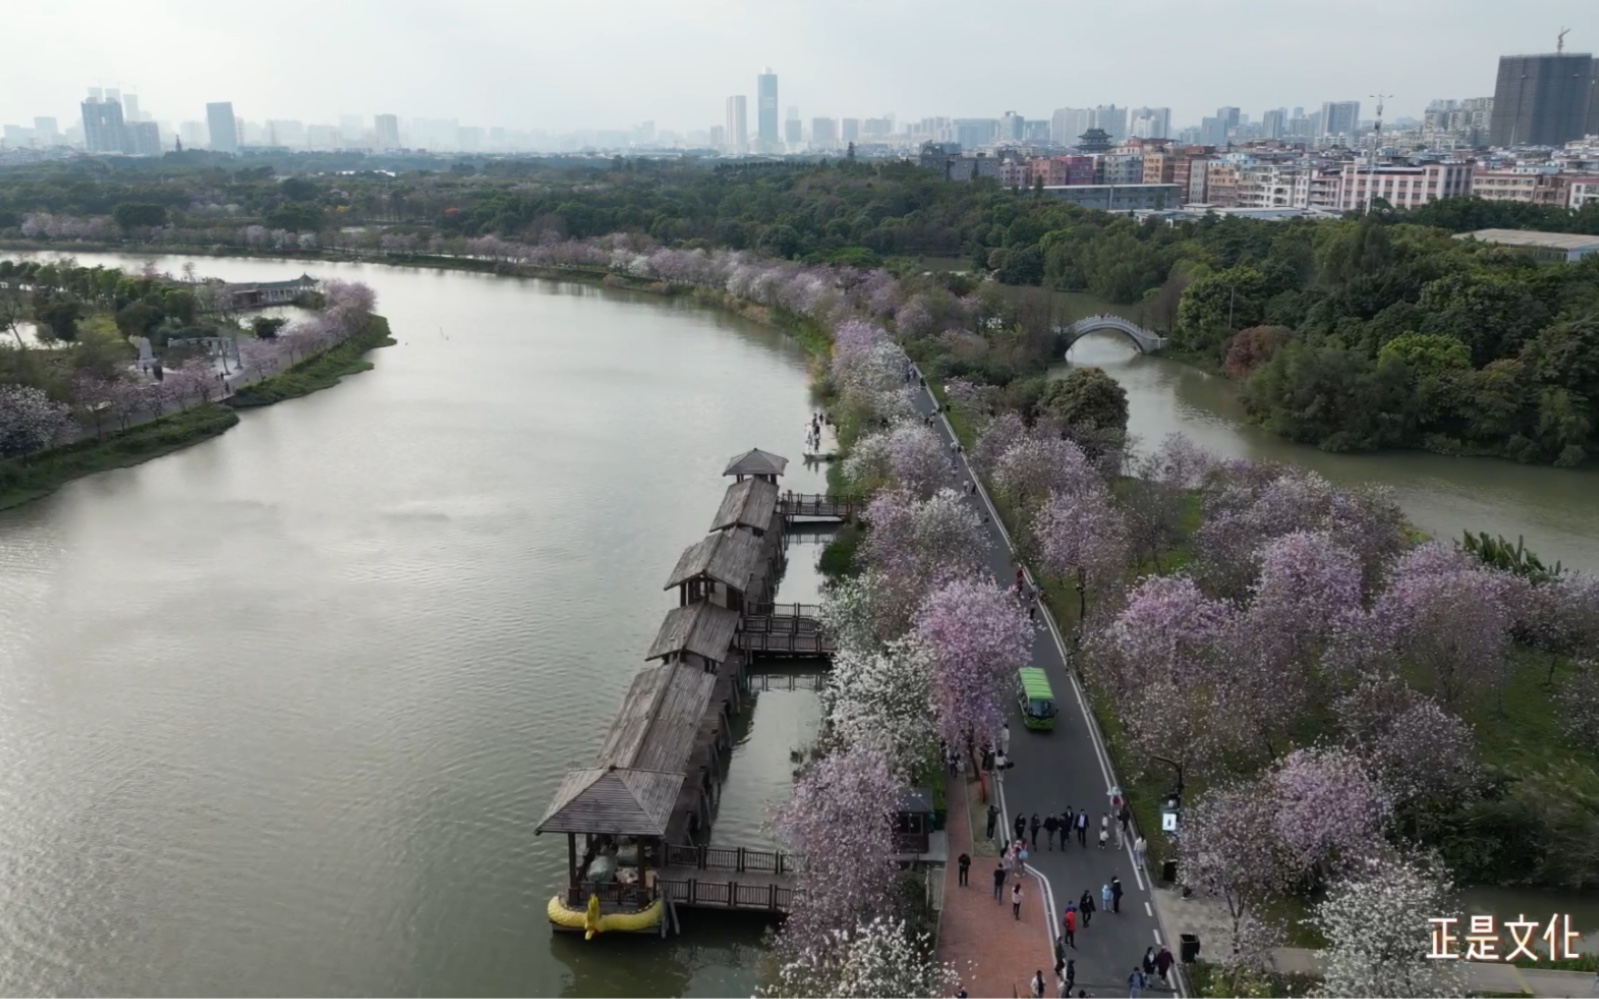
{"x": 673, "y": 68}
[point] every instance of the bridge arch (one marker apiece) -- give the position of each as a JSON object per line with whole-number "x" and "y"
{"x": 1147, "y": 341}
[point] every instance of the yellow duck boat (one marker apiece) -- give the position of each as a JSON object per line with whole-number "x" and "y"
{"x": 591, "y": 921}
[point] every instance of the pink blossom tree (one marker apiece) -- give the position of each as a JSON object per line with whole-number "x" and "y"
{"x": 997, "y": 436}
{"x": 30, "y": 421}
{"x": 840, "y": 818}
{"x": 1411, "y": 746}
{"x": 1082, "y": 537}
{"x": 1306, "y": 585}
{"x": 1453, "y": 624}
{"x": 1378, "y": 931}
{"x": 882, "y": 698}
{"x": 1037, "y": 465}
{"x": 914, "y": 546}
{"x": 978, "y": 636}
{"x": 1327, "y": 813}
{"x": 907, "y": 454}
{"x": 1227, "y": 851}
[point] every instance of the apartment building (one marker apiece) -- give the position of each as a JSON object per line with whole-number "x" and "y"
{"x": 1402, "y": 186}
{"x": 1221, "y": 183}
{"x": 1582, "y": 191}
{"x": 1536, "y": 187}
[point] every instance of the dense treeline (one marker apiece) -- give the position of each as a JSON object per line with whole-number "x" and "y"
{"x": 1353, "y": 334}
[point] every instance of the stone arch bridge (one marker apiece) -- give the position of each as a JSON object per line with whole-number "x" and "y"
{"x": 1147, "y": 341}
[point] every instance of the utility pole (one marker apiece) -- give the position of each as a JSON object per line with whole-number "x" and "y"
{"x": 1376, "y": 144}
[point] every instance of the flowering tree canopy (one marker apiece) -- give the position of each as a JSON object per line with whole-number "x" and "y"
{"x": 1455, "y": 624}
{"x": 882, "y": 699}
{"x": 912, "y": 547}
{"x": 1037, "y": 465}
{"x": 1227, "y": 851}
{"x": 1083, "y": 536}
{"x": 1326, "y": 811}
{"x": 1412, "y": 747}
{"x": 908, "y": 454}
{"x": 841, "y": 819}
{"x": 1305, "y": 586}
{"x": 1376, "y": 924}
{"x": 29, "y": 420}
{"x": 978, "y": 636}
{"x": 877, "y": 959}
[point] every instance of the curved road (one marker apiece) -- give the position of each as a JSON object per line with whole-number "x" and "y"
{"x": 1068, "y": 766}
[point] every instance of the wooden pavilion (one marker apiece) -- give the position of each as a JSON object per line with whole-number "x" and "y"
{"x": 718, "y": 569}
{"x": 758, "y": 464}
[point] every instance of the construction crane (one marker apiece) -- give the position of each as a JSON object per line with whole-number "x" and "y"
{"x": 1560, "y": 40}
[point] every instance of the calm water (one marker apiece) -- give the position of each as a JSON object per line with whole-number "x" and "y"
{"x": 1557, "y": 510}
{"x": 278, "y": 713}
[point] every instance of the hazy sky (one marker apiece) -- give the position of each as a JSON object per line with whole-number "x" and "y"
{"x": 560, "y": 65}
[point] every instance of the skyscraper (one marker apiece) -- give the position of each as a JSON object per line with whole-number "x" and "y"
{"x": 388, "y": 131}
{"x": 1151, "y": 123}
{"x": 45, "y": 131}
{"x": 766, "y": 111}
{"x": 1544, "y": 100}
{"x": 103, "y": 130}
{"x": 1011, "y": 127}
{"x": 1112, "y": 119}
{"x": 1274, "y": 125}
{"x": 1066, "y": 124}
{"x": 1340, "y": 118}
{"x": 130, "y": 108}
{"x": 824, "y": 133}
{"x": 144, "y": 138}
{"x": 1229, "y": 119}
{"x": 793, "y": 129}
{"x": 738, "y": 137}
{"x": 222, "y": 126}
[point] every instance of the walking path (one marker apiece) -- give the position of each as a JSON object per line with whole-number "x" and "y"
{"x": 1066, "y": 767}
{"x": 994, "y": 954}
{"x": 1208, "y": 921}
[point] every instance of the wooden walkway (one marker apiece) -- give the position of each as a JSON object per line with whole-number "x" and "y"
{"x": 819, "y": 506}
{"x": 783, "y": 635}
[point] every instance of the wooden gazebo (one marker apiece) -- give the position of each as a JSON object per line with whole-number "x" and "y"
{"x": 757, "y": 464}
{"x": 750, "y": 504}
{"x": 700, "y": 634}
{"x": 717, "y": 569}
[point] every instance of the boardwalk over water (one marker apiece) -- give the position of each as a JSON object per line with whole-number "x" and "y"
{"x": 637, "y": 818}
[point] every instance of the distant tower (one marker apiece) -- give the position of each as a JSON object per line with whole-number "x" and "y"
{"x": 738, "y": 138}
{"x": 223, "y": 126}
{"x": 766, "y": 112}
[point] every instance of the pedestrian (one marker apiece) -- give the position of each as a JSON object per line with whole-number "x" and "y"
{"x": 1004, "y": 738}
{"x": 1149, "y": 963}
{"x": 1016, "y": 899}
{"x": 1021, "y": 826}
{"x": 1034, "y": 827}
{"x": 1066, "y": 820}
{"x": 1068, "y": 926}
{"x": 1104, "y": 895}
{"x": 993, "y": 817}
{"x": 1104, "y": 830}
{"x": 1082, "y": 828}
{"x": 1071, "y": 974}
{"x": 1038, "y": 984}
{"x": 1050, "y": 825}
{"x": 1085, "y": 905}
{"x": 963, "y": 994}
{"x": 1140, "y": 847}
{"x": 965, "y": 862}
{"x": 1021, "y": 580}
{"x": 1125, "y": 817}
{"x": 1135, "y": 983}
{"x": 1115, "y": 894}
{"x": 999, "y": 881}
{"x": 1163, "y": 963}
{"x": 1032, "y": 613}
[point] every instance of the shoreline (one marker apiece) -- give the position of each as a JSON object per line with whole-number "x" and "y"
{"x": 23, "y": 481}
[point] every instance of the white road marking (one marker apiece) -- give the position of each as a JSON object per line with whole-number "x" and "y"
{"x": 1149, "y": 910}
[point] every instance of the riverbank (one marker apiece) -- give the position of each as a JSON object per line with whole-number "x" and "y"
{"x": 23, "y": 482}
{"x": 313, "y": 374}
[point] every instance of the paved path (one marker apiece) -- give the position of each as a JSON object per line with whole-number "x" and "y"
{"x": 994, "y": 954}
{"x": 1068, "y": 766}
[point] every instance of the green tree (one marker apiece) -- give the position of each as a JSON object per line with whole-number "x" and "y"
{"x": 60, "y": 317}
{"x": 1086, "y": 398}
{"x": 134, "y": 213}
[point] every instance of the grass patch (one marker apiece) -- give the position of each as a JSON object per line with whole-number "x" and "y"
{"x": 319, "y": 372}
{"x": 1206, "y": 979}
{"x": 24, "y": 481}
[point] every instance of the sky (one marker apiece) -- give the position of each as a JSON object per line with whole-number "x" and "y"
{"x": 563, "y": 65}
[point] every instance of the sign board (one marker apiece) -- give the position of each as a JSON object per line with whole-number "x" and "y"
{"x": 1168, "y": 822}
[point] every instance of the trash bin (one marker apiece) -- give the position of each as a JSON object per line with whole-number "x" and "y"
{"x": 1189, "y": 948}
{"x": 1168, "y": 872}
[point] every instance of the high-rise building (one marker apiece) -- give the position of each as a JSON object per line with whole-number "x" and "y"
{"x": 850, "y": 130}
{"x": 718, "y": 137}
{"x": 222, "y": 127}
{"x": 46, "y": 132}
{"x": 1066, "y": 124}
{"x": 103, "y": 130}
{"x": 1274, "y": 124}
{"x": 1112, "y": 119}
{"x": 793, "y": 130}
{"x": 1340, "y": 119}
{"x": 388, "y": 131}
{"x": 144, "y": 138}
{"x": 738, "y": 137}
{"x": 824, "y": 133}
{"x": 1544, "y": 100}
{"x": 1012, "y": 127}
{"x": 1229, "y": 119}
{"x": 766, "y": 112}
{"x": 1150, "y": 123}
{"x": 192, "y": 133}
{"x": 130, "y": 108}
{"x": 1212, "y": 132}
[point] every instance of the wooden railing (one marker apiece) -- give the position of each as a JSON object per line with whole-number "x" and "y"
{"x": 786, "y": 681}
{"x": 729, "y": 895}
{"x": 786, "y": 643}
{"x": 737, "y": 859}
{"x": 615, "y": 896}
{"x": 783, "y": 614}
{"x": 843, "y": 507}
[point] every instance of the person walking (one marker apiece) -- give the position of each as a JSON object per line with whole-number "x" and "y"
{"x": 1021, "y": 580}
{"x": 1016, "y": 899}
{"x": 1082, "y": 828}
{"x": 1050, "y": 825}
{"x": 1004, "y": 738}
{"x": 965, "y": 862}
{"x": 1066, "y": 819}
{"x": 1149, "y": 963}
{"x": 1125, "y": 819}
{"x": 1033, "y": 826}
{"x": 1038, "y": 984}
{"x": 1163, "y": 963}
{"x": 1104, "y": 830}
{"x": 1140, "y": 848}
{"x": 1115, "y": 894}
{"x": 1071, "y": 975}
{"x": 1068, "y": 926}
{"x": 1104, "y": 895}
{"x": 999, "y": 881}
{"x": 1135, "y": 983}
{"x": 1021, "y": 826}
{"x": 1085, "y": 905}
{"x": 993, "y": 818}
